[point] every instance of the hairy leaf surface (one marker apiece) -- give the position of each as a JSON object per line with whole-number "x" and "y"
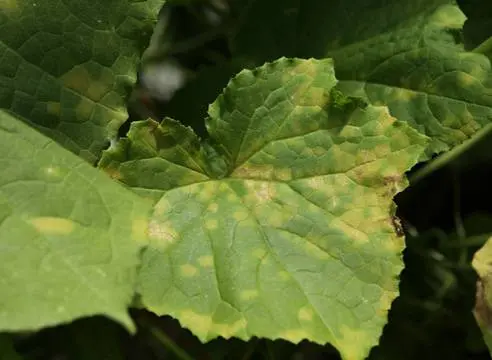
{"x": 67, "y": 66}
{"x": 281, "y": 226}
{"x": 69, "y": 236}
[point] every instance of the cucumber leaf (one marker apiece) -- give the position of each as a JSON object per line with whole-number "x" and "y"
{"x": 281, "y": 225}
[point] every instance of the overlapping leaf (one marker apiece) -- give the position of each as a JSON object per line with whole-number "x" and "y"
{"x": 291, "y": 235}
{"x": 69, "y": 236}
{"x": 401, "y": 54}
{"x": 67, "y": 66}
{"x": 482, "y": 262}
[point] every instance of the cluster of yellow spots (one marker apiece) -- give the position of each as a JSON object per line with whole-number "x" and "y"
{"x": 206, "y": 191}
{"x": 53, "y": 225}
{"x": 83, "y": 82}
{"x": 254, "y": 171}
{"x": 205, "y": 328}
{"x": 259, "y": 191}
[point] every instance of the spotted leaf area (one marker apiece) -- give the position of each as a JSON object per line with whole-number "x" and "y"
{"x": 405, "y": 55}
{"x": 280, "y": 226}
{"x": 68, "y": 66}
{"x": 70, "y": 237}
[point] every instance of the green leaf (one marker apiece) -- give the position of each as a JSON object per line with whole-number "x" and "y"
{"x": 289, "y": 237}
{"x": 403, "y": 56}
{"x": 69, "y": 236}
{"x": 68, "y": 66}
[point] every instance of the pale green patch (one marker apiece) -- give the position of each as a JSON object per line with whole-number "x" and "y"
{"x": 306, "y": 193}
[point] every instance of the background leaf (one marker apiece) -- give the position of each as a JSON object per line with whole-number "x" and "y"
{"x": 67, "y": 67}
{"x": 304, "y": 212}
{"x": 69, "y": 236}
{"x": 407, "y": 56}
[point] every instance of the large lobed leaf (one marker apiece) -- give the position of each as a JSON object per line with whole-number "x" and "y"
{"x": 402, "y": 54}
{"x": 70, "y": 237}
{"x": 67, "y": 66}
{"x": 281, "y": 226}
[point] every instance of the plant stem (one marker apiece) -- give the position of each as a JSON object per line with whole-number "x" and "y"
{"x": 170, "y": 344}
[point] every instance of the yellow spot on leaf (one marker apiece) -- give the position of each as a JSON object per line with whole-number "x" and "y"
{"x": 316, "y": 182}
{"x": 249, "y": 294}
{"x": 139, "y": 230}
{"x": 229, "y": 330}
{"x": 295, "y": 335}
{"x": 200, "y": 324}
{"x": 77, "y": 79}
{"x": 113, "y": 173}
{"x": 84, "y": 109}
{"x": 240, "y": 215}
{"x": 305, "y": 314}
{"x": 404, "y": 94}
{"x": 203, "y": 326}
{"x": 465, "y": 79}
{"x": 206, "y": 261}
{"x": 52, "y": 171}
{"x": 83, "y": 82}
{"x": 350, "y": 231}
{"x": 253, "y": 171}
{"x": 385, "y": 302}
{"x": 213, "y": 207}
{"x": 283, "y": 174}
{"x": 162, "y": 234}
{"x": 259, "y": 253}
{"x": 188, "y": 270}
{"x": 259, "y": 191}
{"x": 353, "y": 343}
{"x": 211, "y": 224}
{"x": 283, "y": 275}
{"x": 53, "y": 225}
